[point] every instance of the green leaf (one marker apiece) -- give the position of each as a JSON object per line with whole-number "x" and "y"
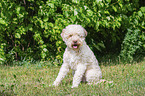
{"x": 41, "y": 23}
{"x": 108, "y": 1}
{"x": 101, "y": 45}
{"x": 51, "y": 5}
{"x": 45, "y": 50}
{"x": 142, "y": 9}
{"x": 75, "y": 12}
{"x": 50, "y": 24}
{"x": 106, "y": 12}
{"x": 2, "y": 21}
{"x": 120, "y": 5}
{"x": 144, "y": 46}
{"x": 73, "y": 18}
{"x": 140, "y": 13}
{"x": 89, "y": 12}
{"x": 136, "y": 21}
{"x": 97, "y": 24}
{"x": 88, "y": 20}
{"x": 84, "y": 16}
{"x": 18, "y": 10}
{"x": 98, "y": 1}
{"x": 75, "y": 1}
{"x": 1, "y": 59}
{"x": 114, "y": 8}
{"x": 119, "y": 19}
{"x": 43, "y": 55}
{"x": 136, "y": 30}
{"x": 30, "y": 27}
{"x": 17, "y": 35}
{"x": 66, "y": 13}
{"x": 108, "y": 17}
{"x": 45, "y": 19}
{"x": 41, "y": 41}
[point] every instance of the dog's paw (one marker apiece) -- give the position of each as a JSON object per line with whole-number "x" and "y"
{"x": 55, "y": 84}
{"x": 51, "y": 85}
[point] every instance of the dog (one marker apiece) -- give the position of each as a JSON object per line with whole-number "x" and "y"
{"x": 78, "y": 57}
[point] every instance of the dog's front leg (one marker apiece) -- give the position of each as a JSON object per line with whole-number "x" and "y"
{"x": 78, "y": 75}
{"x": 62, "y": 73}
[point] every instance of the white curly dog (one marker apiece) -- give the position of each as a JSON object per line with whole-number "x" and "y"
{"x": 78, "y": 57}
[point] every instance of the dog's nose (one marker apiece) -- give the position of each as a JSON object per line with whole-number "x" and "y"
{"x": 75, "y": 41}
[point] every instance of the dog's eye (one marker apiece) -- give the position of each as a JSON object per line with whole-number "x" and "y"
{"x": 70, "y": 35}
{"x": 80, "y": 36}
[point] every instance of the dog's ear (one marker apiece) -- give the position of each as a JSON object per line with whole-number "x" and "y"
{"x": 85, "y": 32}
{"x": 62, "y": 34}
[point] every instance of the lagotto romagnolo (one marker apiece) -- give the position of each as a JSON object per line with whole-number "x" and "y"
{"x": 78, "y": 57}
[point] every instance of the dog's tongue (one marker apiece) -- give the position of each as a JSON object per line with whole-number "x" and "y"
{"x": 75, "y": 47}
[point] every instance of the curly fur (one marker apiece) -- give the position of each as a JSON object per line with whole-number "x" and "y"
{"x": 78, "y": 57}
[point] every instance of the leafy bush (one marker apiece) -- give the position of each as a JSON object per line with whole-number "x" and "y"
{"x": 31, "y": 29}
{"x": 135, "y": 36}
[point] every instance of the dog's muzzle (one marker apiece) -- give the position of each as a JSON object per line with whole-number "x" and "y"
{"x": 75, "y": 45}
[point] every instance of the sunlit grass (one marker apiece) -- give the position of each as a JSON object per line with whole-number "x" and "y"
{"x": 34, "y": 80}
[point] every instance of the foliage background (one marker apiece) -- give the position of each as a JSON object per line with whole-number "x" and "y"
{"x": 30, "y": 29}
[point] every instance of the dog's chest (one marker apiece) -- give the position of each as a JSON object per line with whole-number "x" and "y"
{"x": 75, "y": 59}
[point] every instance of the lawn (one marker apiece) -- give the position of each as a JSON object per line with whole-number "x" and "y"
{"x": 34, "y": 80}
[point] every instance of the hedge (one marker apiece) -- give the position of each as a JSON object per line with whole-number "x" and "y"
{"x": 30, "y": 29}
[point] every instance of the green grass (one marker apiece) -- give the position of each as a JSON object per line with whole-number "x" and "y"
{"x": 34, "y": 80}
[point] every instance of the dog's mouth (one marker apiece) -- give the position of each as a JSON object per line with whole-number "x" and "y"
{"x": 75, "y": 46}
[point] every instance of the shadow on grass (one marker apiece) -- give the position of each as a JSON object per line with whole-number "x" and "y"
{"x": 106, "y": 60}
{"x": 114, "y": 59}
{"x": 7, "y": 93}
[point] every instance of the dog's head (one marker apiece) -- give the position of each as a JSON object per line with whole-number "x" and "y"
{"x": 74, "y": 36}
